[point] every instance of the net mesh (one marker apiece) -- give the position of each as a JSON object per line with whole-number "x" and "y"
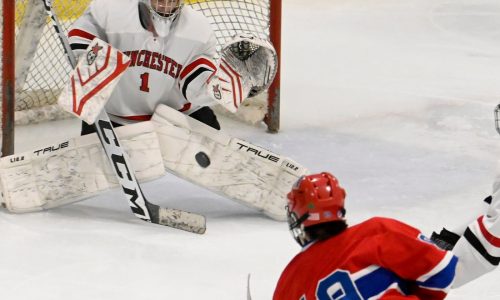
{"x": 49, "y": 69}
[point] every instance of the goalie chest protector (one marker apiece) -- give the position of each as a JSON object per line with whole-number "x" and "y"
{"x": 156, "y": 62}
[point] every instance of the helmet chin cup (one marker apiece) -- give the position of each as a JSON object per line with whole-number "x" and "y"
{"x": 162, "y": 27}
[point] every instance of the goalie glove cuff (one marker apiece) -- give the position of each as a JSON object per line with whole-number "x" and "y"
{"x": 228, "y": 88}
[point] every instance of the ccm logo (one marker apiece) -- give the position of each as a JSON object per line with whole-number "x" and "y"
{"x": 259, "y": 153}
{"x": 51, "y": 149}
{"x": 128, "y": 180}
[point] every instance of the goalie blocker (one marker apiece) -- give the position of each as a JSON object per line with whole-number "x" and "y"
{"x": 76, "y": 169}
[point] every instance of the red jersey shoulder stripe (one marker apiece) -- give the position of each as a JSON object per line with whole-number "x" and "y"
{"x": 81, "y": 34}
{"x": 202, "y": 61}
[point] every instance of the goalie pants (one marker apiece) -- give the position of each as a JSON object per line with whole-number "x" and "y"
{"x": 205, "y": 115}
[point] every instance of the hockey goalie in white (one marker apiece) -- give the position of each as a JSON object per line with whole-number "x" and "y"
{"x": 76, "y": 169}
{"x": 172, "y": 50}
{"x": 197, "y": 151}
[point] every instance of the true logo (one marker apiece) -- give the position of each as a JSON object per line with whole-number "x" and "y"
{"x": 51, "y": 149}
{"x": 257, "y": 152}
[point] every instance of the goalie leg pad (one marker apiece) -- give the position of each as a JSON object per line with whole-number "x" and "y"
{"x": 75, "y": 169}
{"x": 228, "y": 166}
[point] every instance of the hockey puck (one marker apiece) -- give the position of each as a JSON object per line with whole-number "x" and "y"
{"x": 202, "y": 159}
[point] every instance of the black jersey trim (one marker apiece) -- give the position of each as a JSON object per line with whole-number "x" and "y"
{"x": 76, "y": 46}
{"x": 192, "y": 77}
{"x": 474, "y": 241}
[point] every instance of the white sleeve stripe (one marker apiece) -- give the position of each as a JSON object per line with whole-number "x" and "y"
{"x": 438, "y": 268}
{"x": 80, "y": 40}
{"x": 364, "y": 272}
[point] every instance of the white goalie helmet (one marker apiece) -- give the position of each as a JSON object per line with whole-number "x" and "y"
{"x": 163, "y": 14}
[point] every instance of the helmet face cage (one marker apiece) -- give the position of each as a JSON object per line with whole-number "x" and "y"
{"x": 166, "y": 9}
{"x": 296, "y": 227}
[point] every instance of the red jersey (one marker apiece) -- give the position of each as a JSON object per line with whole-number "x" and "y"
{"x": 377, "y": 259}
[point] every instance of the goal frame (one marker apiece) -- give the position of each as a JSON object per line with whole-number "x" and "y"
{"x": 9, "y": 72}
{"x": 8, "y": 76}
{"x": 272, "y": 118}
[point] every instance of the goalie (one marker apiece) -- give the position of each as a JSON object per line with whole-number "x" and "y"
{"x": 173, "y": 60}
{"x": 79, "y": 168}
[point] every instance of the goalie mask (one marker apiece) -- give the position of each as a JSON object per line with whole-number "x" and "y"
{"x": 314, "y": 199}
{"x": 163, "y": 14}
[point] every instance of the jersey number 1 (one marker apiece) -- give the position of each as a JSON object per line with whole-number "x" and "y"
{"x": 144, "y": 82}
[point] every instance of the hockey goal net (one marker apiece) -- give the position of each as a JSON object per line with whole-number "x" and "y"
{"x": 41, "y": 68}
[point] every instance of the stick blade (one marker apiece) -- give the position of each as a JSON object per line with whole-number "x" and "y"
{"x": 180, "y": 219}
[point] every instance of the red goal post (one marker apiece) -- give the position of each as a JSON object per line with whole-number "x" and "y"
{"x": 40, "y": 68}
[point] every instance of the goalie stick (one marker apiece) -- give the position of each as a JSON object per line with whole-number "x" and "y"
{"x": 139, "y": 205}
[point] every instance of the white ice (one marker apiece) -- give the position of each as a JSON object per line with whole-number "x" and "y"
{"x": 395, "y": 97}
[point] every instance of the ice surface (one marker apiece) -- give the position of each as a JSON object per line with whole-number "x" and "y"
{"x": 395, "y": 97}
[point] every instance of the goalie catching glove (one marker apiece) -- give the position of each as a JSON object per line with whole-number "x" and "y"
{"x": 247, "y": 67}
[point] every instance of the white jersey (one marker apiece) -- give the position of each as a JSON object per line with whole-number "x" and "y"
{"x": 169, "y": 70}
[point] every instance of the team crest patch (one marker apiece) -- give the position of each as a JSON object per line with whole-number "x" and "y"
{"x": 216, "y": 91}
{"x": 92, "y": 54}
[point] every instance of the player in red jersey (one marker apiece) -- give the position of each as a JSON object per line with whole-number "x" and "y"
{"x": 378, "y": 259}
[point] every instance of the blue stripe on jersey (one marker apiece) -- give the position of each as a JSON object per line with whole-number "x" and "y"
{"x": 442, "y": 279}
{"x": 378, "y": 281}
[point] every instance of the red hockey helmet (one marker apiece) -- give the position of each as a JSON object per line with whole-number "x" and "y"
{"x": 314, "y": 199}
